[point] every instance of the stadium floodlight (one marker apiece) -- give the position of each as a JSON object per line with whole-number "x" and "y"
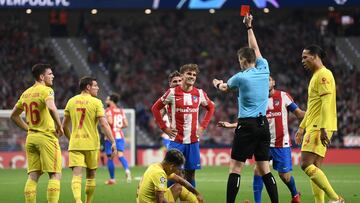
{"x": 147, "y": 11}
{"x": 266, "y": 10}
{"x": 212, "y": 11}
{"x": 94, "y": 11}
{"x": 28, "y": 11}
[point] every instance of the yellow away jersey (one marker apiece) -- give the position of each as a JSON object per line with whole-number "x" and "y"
{"x": 321, "y": 105}
{"x": 84, "y": 110}
{"x": 38, "y": 117}
{"x": 154, "y": 179}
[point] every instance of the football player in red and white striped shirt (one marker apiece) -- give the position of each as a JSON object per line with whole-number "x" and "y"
{"x": 117, "y": 120}
{"x": 174, "y": 80}
{"x": 184, "y": 131}
{"x": 279, "y": 104}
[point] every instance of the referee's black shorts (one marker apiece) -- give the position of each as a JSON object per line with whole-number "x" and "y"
{"x": 252, "y": 137}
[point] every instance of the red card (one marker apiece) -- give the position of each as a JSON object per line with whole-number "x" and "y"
{"x": 245, "y": 9}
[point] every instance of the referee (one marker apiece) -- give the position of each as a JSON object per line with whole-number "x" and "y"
{"x": 252, "y": 136}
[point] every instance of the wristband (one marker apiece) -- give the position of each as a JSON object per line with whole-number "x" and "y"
{"x": 248, "y": 28}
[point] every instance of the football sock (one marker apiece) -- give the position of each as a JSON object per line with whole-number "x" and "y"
{"x": 319, "y": 178}
{"x": 111, "y": 168}
{"x": 188, "y": 196}
{"x": 53, "y": 191}
{"x": 30, "y": 191}
{"x": 90, "y": 189}
{"x": 258, "y": 185}
{"x": 271, "y": 187}
{"x": 76, "y": 188}
{"x": 233, "y": 186}
{"x": 124, "y": 162}
{"x": 292, "y": 187}
{"x": 318, "y": 193}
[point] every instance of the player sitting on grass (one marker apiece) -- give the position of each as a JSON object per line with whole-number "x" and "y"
{"x": 153, "y": 186}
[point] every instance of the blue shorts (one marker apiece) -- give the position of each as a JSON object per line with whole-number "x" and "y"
{"x": 166, "y": 142}
{"x": 191, "y": 153}
{"x": 120, "y": 146}
{"x": 281, "y": 159}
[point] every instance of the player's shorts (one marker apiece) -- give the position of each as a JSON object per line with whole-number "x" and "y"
{"x": 312, "y": 143}
{"x": 169, "y": 196}
{"x": 165, "y": 142}
{"x": 252, "y": 137}
{"x": 84, "y": 158}
{"x": 191, "y": 153}
{"x": 120, "y": 146}
{"x": 43, "y": 153}
{"x": 281, "y": 157}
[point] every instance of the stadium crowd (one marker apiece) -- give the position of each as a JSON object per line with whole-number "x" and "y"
{"x": 22, "y": 46}
{"x": 139, "y": 53}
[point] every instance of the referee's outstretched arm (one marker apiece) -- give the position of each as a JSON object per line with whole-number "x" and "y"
{"x": 251, "y": 36}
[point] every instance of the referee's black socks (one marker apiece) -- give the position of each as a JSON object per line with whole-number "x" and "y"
{"x": 271, "y": 187}
{"x": 233, "y": 186}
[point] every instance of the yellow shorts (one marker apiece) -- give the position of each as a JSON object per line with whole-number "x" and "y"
{"x": 312, "y": 142}
{"x": 84, "y": 158}
{"x": 43, "y": 153}
{"x": 169, "y": 196}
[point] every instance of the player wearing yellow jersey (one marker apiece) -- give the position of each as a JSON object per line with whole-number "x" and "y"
{"x": 85, "y": 111}
{"x": 43, "y": 128}
{"x": 153, "y": 185}
{"x": 320, "y": 122}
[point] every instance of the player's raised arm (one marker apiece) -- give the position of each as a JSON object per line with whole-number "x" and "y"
{"x": 15, "y": 116}
{"x": 251, "y": 36}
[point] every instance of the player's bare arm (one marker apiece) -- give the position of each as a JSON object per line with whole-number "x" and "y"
{"x": 160, "y": 198}
{"x": 300, "y": 114}
{"x": 109, "y": 119}
{"x": 66, "y": 126}
{"x": 50, "y": 104}
{"x": 125, "y": 123}
{"x": 178, "y": 179}
{"x": 299, "y": 136}
{"x": 251, "y": 36}
{"x": 225, "y": 124}
{"x": 15, "y": 116}
{"x": 107, "y": 131}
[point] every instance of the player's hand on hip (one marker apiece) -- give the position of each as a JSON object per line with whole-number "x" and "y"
{"x": 248, "y": 20}
{"x": 299, "y": 136}
{"x": 172, "y": 132}
{"x": 324, "y": 138}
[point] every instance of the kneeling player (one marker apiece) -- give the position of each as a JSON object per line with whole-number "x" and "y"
{"x": 153, "y": 186}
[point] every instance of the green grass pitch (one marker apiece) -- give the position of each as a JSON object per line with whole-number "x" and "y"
{"x": 211, "y": 181}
